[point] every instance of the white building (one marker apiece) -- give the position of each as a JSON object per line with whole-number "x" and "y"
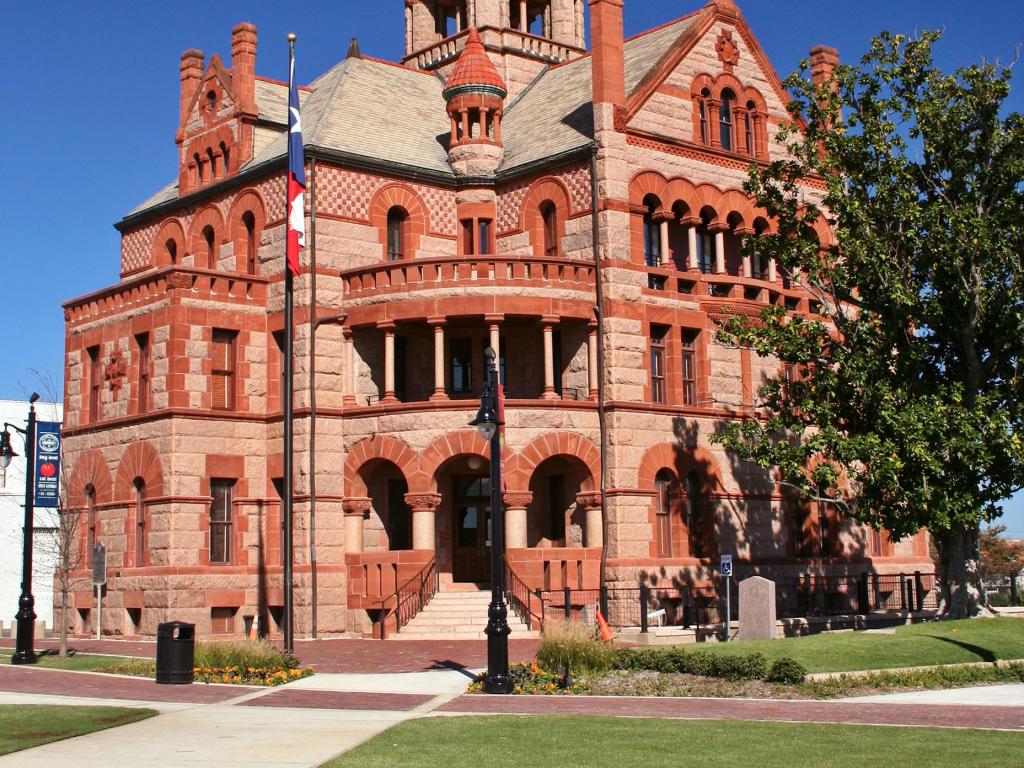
{"x": 12, "y": 501}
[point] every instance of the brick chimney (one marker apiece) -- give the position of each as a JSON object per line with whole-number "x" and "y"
{"x": 191, "y": 73}
{"x": 824, "y": 61}
{"x": 243, "y": 66}
{"x": 606, "y": 58}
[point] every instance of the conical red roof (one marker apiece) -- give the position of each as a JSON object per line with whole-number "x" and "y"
{"x": 474, "y": 67}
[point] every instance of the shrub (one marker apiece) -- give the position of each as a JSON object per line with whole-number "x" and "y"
{"x": 786, "y": 671}
{"x": 575, "y": 644}
{"x": 701, "y": 663}
{"x": 243, "y": 654}
{"x": 527, "y": 679}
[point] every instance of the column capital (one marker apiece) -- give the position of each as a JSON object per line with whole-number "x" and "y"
{"x": 746, "y": 231}
{"x": 691, "y": 221}
{"x": 437, "y": 321}
{"x": 386, "y": 325}
{"x": 517, "y": 499}
{"x": 718, "y": 227}
{"x": 550, "y": 319}
{"x": 357, "y": 506}
{"x": 423, "y": 502}
{"x": 588, "y": 499}
{"x": 494, "y": 318}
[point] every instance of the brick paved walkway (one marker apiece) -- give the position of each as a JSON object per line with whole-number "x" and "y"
{"x": 55, "y": 682}
{"x": 345, "y": 655}
{"x": 935, "y": 715}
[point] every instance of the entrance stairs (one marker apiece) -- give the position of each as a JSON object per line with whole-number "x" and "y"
{"x": 457, "y": 614}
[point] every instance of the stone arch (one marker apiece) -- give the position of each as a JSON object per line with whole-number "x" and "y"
{"x": 521, "y": 465}
{"x": 210, "y": 216}
{"x": 401, "y": 196}
{"x": 465, "y": 442}
{"x": 368, "y": 452}
{"x": 250, "y": 201}
{"x": 681, "y": 462}
{"x": 90, "y": 469}
{"x": 648, "y": 183}
{"x": 682, "y": 193}
{"x": 172, "y": 230}
{"x": 140, "y": 460}
{"x": 548, "y": 189}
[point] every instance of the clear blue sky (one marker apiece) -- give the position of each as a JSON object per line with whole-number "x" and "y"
{"x": 92, "y": 90}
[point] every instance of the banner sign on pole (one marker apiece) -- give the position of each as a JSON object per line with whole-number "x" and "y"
{"x": 47, "y": 464}
{"x": 99, "y": 564}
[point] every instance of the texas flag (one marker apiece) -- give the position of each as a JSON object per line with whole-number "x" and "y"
{"x": 296, "y": 177}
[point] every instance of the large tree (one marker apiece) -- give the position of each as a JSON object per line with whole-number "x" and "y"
{"x": 905, "y": 407}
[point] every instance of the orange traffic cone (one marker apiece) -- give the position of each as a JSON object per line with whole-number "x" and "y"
{"x": 602, "y": 625}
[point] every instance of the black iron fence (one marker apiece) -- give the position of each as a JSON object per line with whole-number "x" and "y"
{"x": 697, "y": 607}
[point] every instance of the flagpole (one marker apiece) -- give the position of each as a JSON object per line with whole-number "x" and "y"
{"x": 286, "y": 502}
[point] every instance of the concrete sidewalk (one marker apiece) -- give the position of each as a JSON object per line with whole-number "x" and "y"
{"x": 978, "y": 696}
{"x": 302, "y": 724}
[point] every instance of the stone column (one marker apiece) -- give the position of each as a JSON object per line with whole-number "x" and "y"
{"x": 773, "y": 273}
{"x": 349, "y": 377}
{"x": 592, "y": 358}
{"x": 516, "y": 503}
{"x": 691, "y": 245}
{"x": 523, "y": 26}
{"x": 483, "y": 122}
{"x": 548, "y": 322}
{"x": 356, "y": 510}
{"x": 720, "y": 250}
{"x": 714, "y": 114}
{"x": 389, "y": 360}
{"x": 663, "y": 234}
{"x": 590, "y": 503}
{"x": 494, "y": 328}
{"x": 424, "y": 513}
{"x": 438, "y": 325}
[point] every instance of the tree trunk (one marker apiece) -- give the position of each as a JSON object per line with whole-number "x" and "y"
{"x": 63, "y": 618}
{"x": 963, "y": 595}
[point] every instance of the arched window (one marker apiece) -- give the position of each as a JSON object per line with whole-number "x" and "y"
{"x": 663, "y": 513}
{"x": 213, "y": 163}
{"x": 397, "y": 224}
{"x": 748, "y": 122}
{"x": 652, "y": 233}
{"x": 225, "y": 153}
{"x": 695, "y": 518}
{"x": 172, "y": 252}
{"x": 703, "y": 108}
{"x": 140, "y": 522}
{"x": 209, "y": 238}
{"x": 705, "y": 248}
{"x": 549, "y": 215}
{"x": 725, "y": 120}
{"x": 200, "y": 171}
{"x": 249, "y": 221}
{"x": 90, "y": 522}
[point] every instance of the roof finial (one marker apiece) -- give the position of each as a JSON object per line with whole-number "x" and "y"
{"x": 353, "y": 50}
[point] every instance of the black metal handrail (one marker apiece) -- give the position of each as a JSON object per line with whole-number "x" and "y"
{"x": 519, "y": 598}
{"x": 410, "y": 598}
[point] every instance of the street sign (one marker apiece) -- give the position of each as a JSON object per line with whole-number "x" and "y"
{"x": 99, "y": 565}
{"x": 726, "y": 565}
{"x": 47, "y": 469}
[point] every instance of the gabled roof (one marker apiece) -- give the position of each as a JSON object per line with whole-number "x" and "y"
{"x": 393, "y": 115}
{"x": 555, "y": 114}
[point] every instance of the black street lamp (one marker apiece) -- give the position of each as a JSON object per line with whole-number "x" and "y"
{"x": 24, "y": 652}
{"x": 497, "y": 631}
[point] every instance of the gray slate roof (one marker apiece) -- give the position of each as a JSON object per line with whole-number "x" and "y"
{"x": 392, "y": 114}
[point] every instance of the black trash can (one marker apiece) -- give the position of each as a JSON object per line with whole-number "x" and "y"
{"x": 175, "y": 652}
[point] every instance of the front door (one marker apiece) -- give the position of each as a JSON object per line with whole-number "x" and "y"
{"x": 471, "y": 503}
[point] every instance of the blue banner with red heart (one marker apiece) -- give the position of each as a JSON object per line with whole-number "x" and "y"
{"x": 47, "y": 464}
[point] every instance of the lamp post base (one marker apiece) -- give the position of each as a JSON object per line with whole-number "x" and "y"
{"x": 497, "y": 631}
{"x": 24, "y": 652}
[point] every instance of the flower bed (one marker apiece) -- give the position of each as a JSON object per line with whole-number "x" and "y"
{"x": 529, "y": 679}
{"x": 266, "y": 676}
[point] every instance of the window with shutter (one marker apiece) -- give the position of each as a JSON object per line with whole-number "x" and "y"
{"x": 222, "y": 370}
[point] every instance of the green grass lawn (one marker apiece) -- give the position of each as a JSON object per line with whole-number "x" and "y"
{"x": 24, "y": 725}
{"x": 941, "y": 642}
{"x": 599, "y": 742}
{"x": 79, "y": 662}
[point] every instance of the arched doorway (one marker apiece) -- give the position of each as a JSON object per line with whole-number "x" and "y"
{"x": 464, "y": 519}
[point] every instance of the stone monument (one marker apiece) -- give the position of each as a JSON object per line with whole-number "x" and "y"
{"x": 757, "y": 609}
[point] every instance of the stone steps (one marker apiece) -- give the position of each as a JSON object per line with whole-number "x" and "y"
{"x": 457, "y": 615}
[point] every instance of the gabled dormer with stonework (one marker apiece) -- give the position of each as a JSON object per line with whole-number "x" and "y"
{"x": 521, "y": 37}
{"x": 218, "y": 111}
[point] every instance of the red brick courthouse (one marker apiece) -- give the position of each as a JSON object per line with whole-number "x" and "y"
{"x": 455, "y": 201}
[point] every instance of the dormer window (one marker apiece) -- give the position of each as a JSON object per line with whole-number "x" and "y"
{"x": 725, "y": 120}
{"x": 397, "y": 220}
